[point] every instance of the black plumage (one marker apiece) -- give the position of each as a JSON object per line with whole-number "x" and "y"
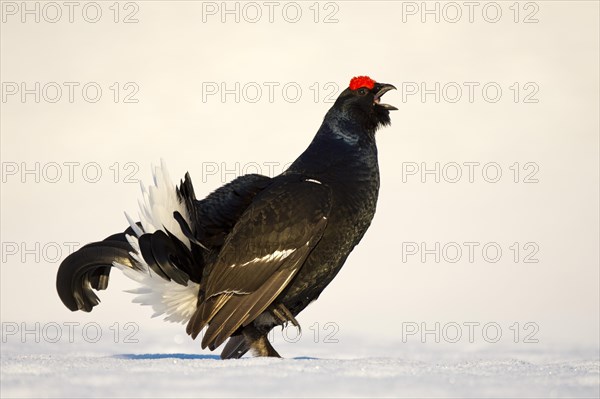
{"x": 259, "y": 249}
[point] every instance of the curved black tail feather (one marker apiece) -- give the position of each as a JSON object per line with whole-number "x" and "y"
{"x": 89, "y": 268}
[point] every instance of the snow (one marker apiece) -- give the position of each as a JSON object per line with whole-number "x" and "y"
{"x": 353, "y": 368}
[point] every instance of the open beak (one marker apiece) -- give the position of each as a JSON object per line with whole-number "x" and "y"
{"x": 383, "y": 88}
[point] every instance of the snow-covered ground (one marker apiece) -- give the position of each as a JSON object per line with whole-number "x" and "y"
{"x": 157, "y": 366}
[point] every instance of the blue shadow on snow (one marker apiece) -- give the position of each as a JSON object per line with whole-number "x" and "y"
{"x": 183, "y": 356}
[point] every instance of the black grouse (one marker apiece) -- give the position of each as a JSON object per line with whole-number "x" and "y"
{"x": 255, "y": 252}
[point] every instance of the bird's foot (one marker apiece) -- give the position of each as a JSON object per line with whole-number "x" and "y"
{"x": 283, "y": 314}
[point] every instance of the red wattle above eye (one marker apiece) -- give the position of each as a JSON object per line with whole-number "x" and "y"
{"x": 361, "y": 81}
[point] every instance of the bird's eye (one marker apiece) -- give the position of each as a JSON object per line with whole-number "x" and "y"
{"x": 362, "y": 91}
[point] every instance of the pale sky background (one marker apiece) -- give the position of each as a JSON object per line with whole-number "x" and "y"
{"x": 171, "y": 55}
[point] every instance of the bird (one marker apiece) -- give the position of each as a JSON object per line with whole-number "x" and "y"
{"x": 255, "y": 252}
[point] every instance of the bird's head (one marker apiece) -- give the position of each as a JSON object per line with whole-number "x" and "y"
{"x": 361, "y": 103}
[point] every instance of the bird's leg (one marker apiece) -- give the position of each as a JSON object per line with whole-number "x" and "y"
{"x": 262, "y": 347}
{"x": 258, "y": 342}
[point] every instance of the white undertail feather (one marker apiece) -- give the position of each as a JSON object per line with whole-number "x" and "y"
{"x": 158, "y": 204}
{"x": 175, "y": 301}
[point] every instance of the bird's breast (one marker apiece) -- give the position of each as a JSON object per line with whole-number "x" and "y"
{"x": 353, "y": 207}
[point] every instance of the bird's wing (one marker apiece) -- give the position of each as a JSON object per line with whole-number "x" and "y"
{"x": 262, "y": 254}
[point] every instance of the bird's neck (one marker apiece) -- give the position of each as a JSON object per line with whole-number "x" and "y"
{"x": 340, "y": 148}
